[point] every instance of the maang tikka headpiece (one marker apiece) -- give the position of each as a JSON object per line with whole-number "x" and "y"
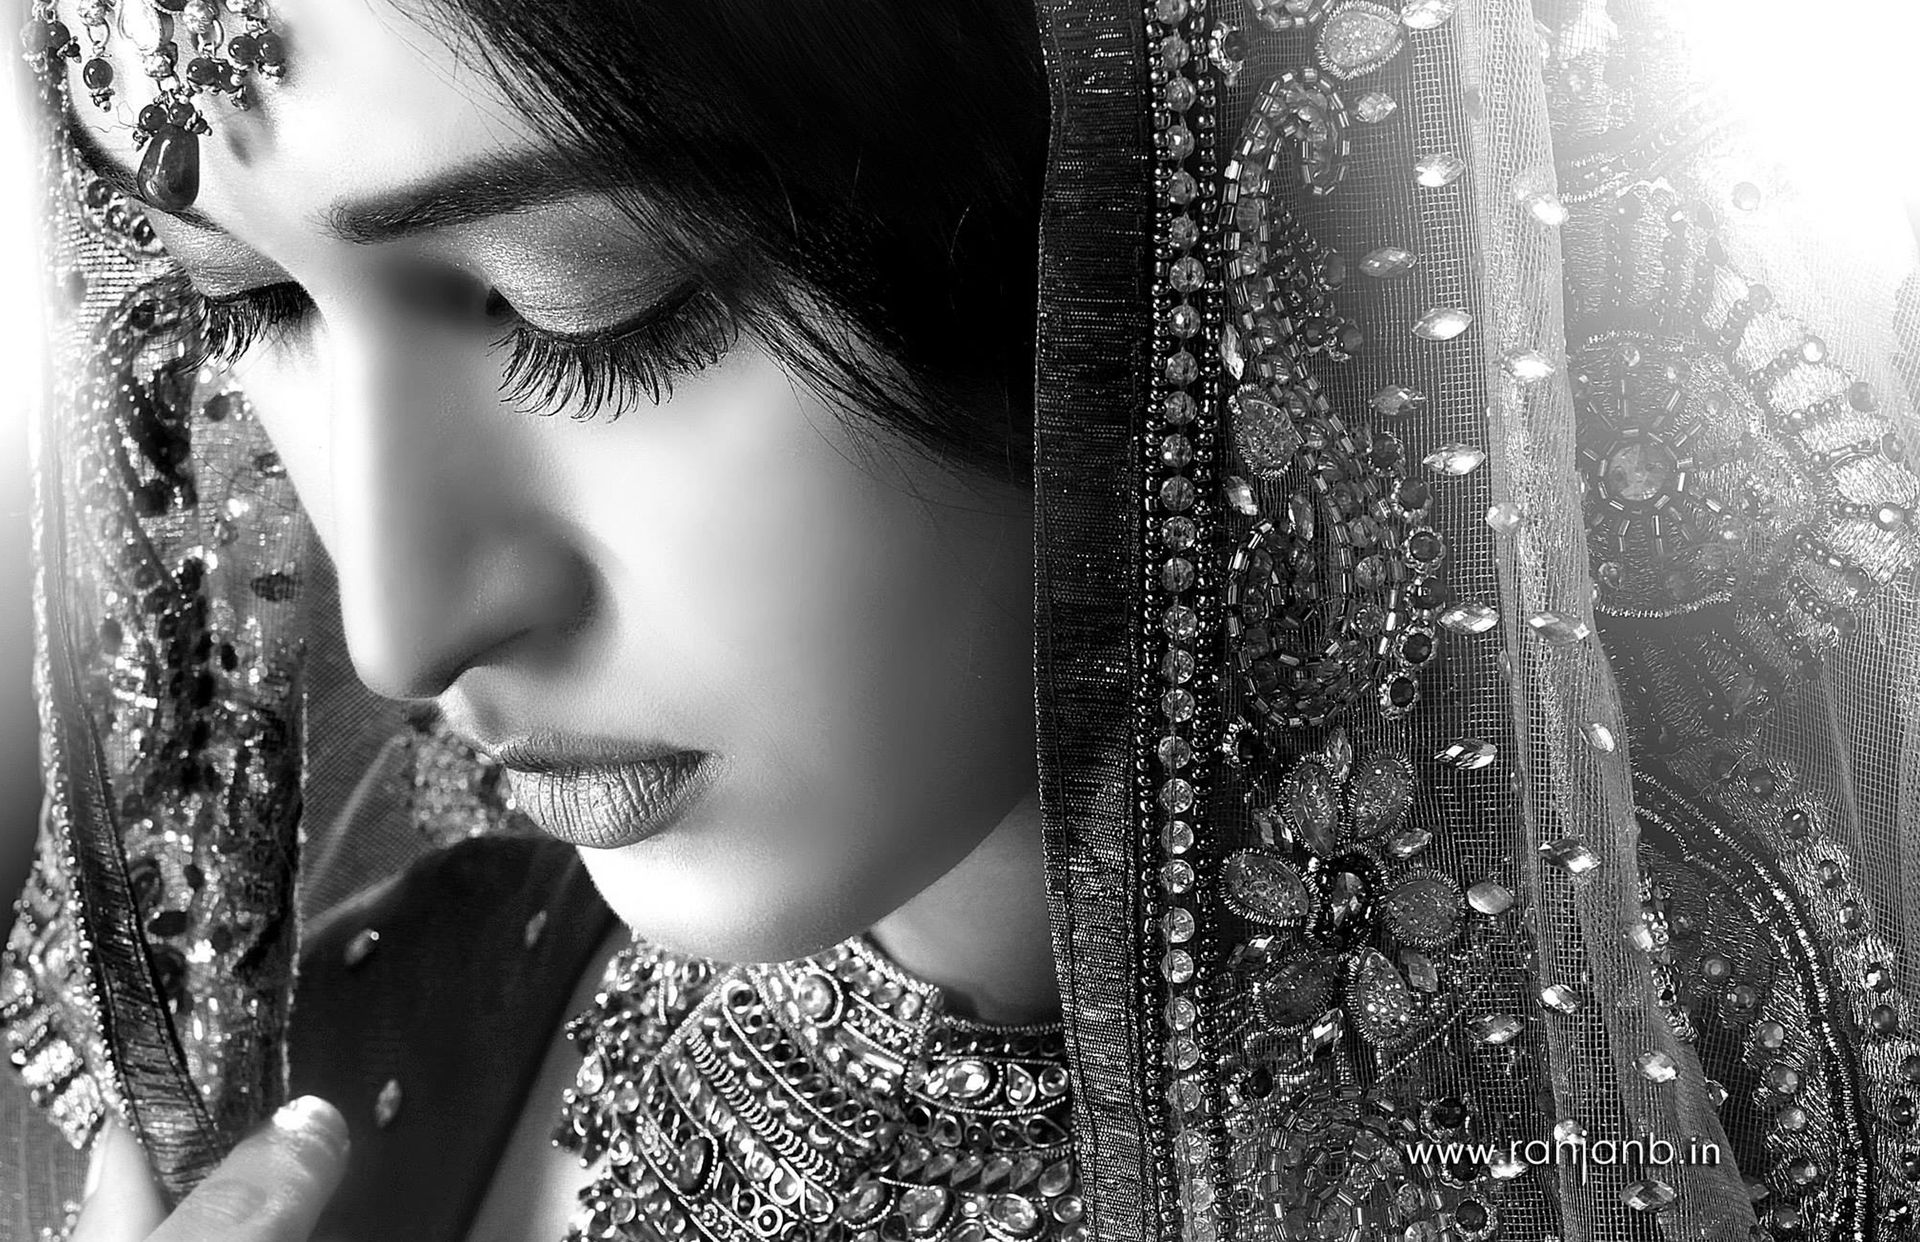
{"x": 169, "y": 127}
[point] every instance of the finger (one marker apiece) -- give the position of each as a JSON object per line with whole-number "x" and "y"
{"x": 122, "y": 1203}
{"x": 272, "y": 1187}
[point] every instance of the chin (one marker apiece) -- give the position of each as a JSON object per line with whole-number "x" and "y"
{"x": 729, "y": 914}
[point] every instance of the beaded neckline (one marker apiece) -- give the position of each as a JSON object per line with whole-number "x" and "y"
{"x": 834, "y": 1096}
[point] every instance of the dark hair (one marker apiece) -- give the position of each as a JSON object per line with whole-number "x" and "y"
{"x": 880, "y": 160}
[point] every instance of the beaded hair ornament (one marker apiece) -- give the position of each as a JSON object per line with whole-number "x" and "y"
{"x": 168, "y": 128}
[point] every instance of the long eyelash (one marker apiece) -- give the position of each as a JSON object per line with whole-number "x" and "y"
{"x": 219, "y": 331}
{"x": 546, "y": 373}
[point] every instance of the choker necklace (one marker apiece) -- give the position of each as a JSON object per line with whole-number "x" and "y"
{"x": 831, "y": 1097}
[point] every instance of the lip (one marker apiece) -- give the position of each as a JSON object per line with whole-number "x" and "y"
{"x": 603, "y": 797}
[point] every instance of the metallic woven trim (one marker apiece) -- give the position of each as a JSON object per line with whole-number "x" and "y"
{"x": 1092, "y": 386}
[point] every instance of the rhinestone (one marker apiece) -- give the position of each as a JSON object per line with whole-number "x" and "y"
{"x": 1394, "y": 401}
{"x": 386, "y": 1106}
{"x": 1468, "y": 754}
{"x": 923, "y": 1206}
{"x": 1598, "y": 736}
{"x": 1495, "y": 1028}
{"x": 1528, "y": 365}
{"x": 1504, "y": 517}
{"x": 1560, "y": 998}
{"x": 1455, "y": 460}
{"x": 1746, "y": 196}
{"x": 1490, "y": 897}
{"x": 1506, "y": 1166}
{"x": 1547, "y": 209}
{"x": 1240, "y": 497}
{"x": 1435, "y": 171}
{"x": 1426, "y": 14}
{"x": 1404, "y": 843}
{"x": 1263, "y": 431}
{"x": 360, "y": 947}
{"x": 1442, "y": 323}
{"x": 1472, "y": 617}
{"x": 1374, "y": 107}
{"x": 1266, "y": 887}
{"x": 1570, "y": 854}
{"x": 1658, "y": 1066}
{"x": 1560, "y": 629}
{"x": 968, "y": 1079}
{"x": 536, "y": 926}
{"x": 1014, "y": 1213}
{"x": 1386, "y": 262}
{"x": 1649, "y": 1194}
{"x": 1420, "y": 970}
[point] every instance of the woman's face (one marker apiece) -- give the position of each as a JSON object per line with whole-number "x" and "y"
{"x": 839, "y": 626}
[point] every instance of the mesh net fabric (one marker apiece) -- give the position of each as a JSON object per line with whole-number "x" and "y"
{"x": 1652, "y": 881}
{"x": 1651, "y": 878}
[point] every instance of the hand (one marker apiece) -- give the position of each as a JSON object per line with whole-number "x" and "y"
{"x": 270, "y": 1188}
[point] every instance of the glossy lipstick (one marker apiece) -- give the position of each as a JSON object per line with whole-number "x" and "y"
{"x": 602, "y": 795}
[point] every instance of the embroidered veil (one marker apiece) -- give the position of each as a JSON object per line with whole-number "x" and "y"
{"x": 1477, "y": 664}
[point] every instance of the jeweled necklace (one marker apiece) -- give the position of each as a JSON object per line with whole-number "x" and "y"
{"x": 832, "y": 1097}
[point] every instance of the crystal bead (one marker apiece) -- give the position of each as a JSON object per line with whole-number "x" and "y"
{"x": 1472, "y": 617}
{"x": 1746, "y": 196}
{"x": 1177, "y": 836}
{"x": 1172, "y": 12}
{"x": 1495, "y": 1028}
{"x": 1420, "y": 970}
{"x": 1176, "y": 494}
{"x": 1504, "y": 517}
{"x": 1528, "y": 365}
{"x": 1598, "y": 736}
{"x": 1649, "y": 1194}
{"x": 1177, "y": 966}
{"x": 1176, "y": 797}
{"x": 1467, "y": 754}
{"x": 1175, "y": 753}
{"x": 1426, "y": 14}
{"x": 1455, "y": 460}
{"x": 1187, "y": 274}
{"x": 968, "y": 1079}
{"x": 1442, "y": 323}
{"x": 1395, "y": 401}
{"x": 1374, "y": 107}
{"x": 1176, "y": 876}
{"x": 535, "y": 928}
{"x": 1560, "y": 998}
{"x": 1560, "y": 629}
{"x": 169, "y": 174}
{"x": 1657, "y": 1066}
{"x": 1567, "y": 1130}
{"x": 1490, "y": 897}
{"x": 1404, "y": 843}
{"x": 1571, "y": 854}
{"x": 1177, "y": 925}
{"x": 1386, "y": 262}
{"x": 1240, "y": 497}
{"x": 1435, "y": 171}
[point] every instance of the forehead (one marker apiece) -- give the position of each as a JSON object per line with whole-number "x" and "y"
{"x": 373, "y": 97}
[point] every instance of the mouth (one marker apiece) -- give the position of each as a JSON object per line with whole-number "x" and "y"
{"x": 608, "y": 803}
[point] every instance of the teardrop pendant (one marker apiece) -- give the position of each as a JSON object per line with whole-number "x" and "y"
{"x": 170, "y": 170}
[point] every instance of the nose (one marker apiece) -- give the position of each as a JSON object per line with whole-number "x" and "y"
{"x": 444, "y": 553}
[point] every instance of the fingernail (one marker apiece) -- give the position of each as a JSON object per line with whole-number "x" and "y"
{"x": 309, "y": 1114}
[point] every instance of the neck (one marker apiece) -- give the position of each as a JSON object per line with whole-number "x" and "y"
{"x": 980, "y": 932}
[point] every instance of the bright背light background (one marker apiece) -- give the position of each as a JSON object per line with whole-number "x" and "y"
{"x": 21, "y": 371}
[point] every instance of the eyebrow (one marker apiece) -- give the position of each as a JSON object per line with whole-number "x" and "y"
{"x": 492, "y": 185}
